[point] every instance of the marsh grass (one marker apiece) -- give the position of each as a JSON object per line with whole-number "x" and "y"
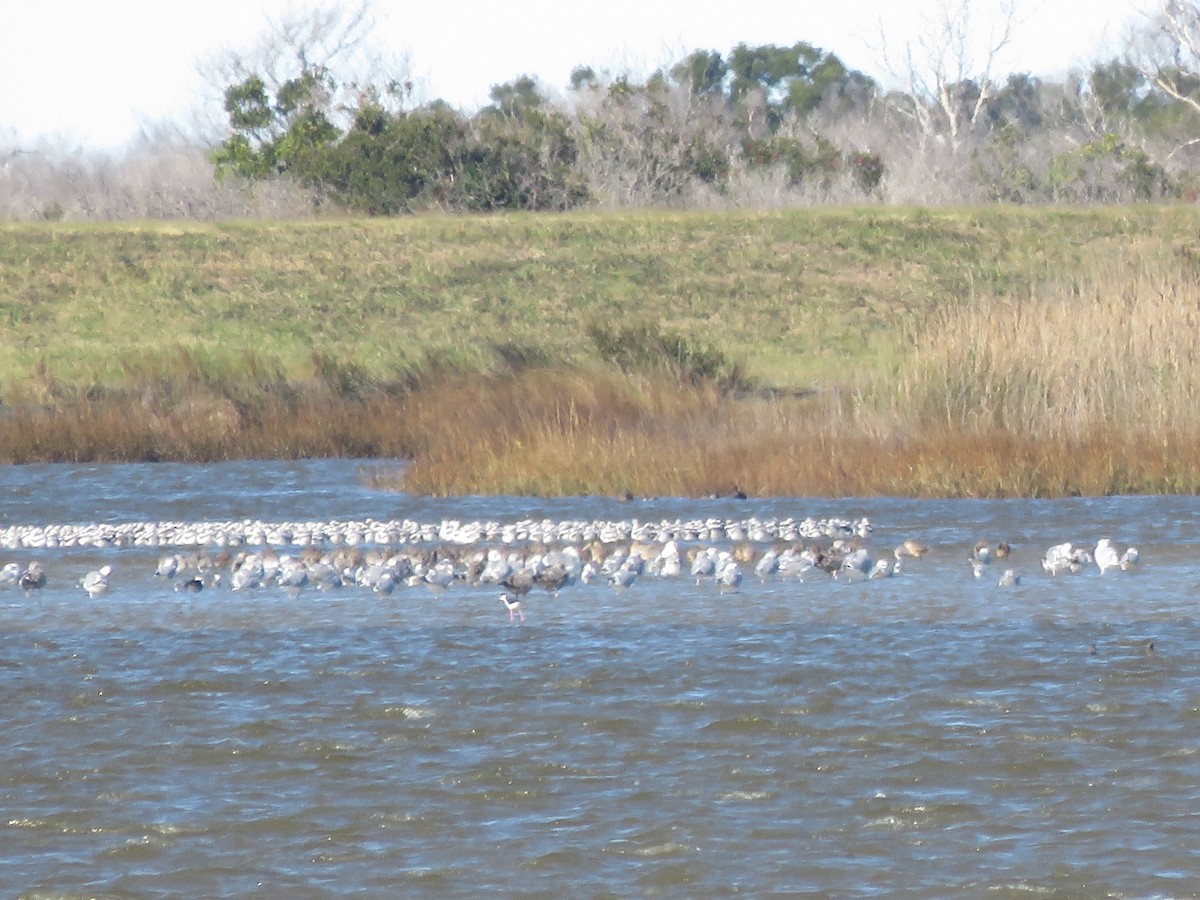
{"x": 1088, "y": 384}
{"x": 552, "y": 434}
{"x": 962, "y": 353}
{"x": 186, "y": 424}
{"x": 1114, "y": 348}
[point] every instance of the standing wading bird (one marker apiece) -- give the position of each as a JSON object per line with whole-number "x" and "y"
{"x": 767, "y": 565}
{"x": 704, "y": 565}
{"x": 168, "y": 566}
{"x": 856, "y": 565}
{"x": 513, "y": 604}
{"x": 626, "y": 575}
{"x": 553, "y": 578}
{"x": 440, "y": 576}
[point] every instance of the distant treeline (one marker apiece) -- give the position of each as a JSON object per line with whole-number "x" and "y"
{"x": 763, "y": 125}
{"x": 758, "y": 127}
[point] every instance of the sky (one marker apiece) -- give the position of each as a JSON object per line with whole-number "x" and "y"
{"x": 93, "y": 73}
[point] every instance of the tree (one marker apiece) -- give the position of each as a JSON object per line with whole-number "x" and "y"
{"x": 325, "y": 37}
{"x": 654, "y": 142}
{"x": 390, "y": 163}
{"x": 523, "y": 154}
{"x": 1167, "y": 51}
{"x": 276, "y": 133}
{"x": 703, "y": 72}
{"x": 783, "y": 80}
{"x": 296, "y": 91}
{"x": 950, "y": 70}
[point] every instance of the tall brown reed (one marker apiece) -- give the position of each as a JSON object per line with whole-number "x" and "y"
{"x": 1088, "y": 385}
{"x": 542, "y": 433}
{"x": 187, "y": 407}
{"x": 1115, "y": 348}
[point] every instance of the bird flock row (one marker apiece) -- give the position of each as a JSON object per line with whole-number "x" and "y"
{"x": 515, "y": 569}
{"x": 355, "y": 532}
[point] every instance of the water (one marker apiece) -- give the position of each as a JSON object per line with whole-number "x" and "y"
{"x": 929, "y": 734}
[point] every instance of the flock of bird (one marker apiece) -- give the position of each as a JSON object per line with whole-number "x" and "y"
{"x": 532, "y": 556}
{"x": 355, "y": 532}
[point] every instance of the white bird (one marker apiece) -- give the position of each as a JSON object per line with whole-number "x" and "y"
{"x": 247, "y": 575}
{"x": 704, "y": 565}
{"x": 797, "y": 565}
{"x": 1130, "y": 559}
{"x": 881, "y": 569}
{"x": 729, "y": 579}
{"x": 857, "y": 562}
{"x": 1065, "y": 558}
{"x": 10, "y": 574}
{"x": 624, "y": 577}
{"x": 768, "y": 565}
{"x": 96, "y": 583}
{"x": 291, "y": 574}
{"x": 1010, "y": 578}
{"x": 497, "y": 569}
{"x": 324, "y": 577}
{"x": 168, "y": 566}
{"x": 670, "y": 566}
{"x": 440, "y": 576}
{"x": 1106, "y": 556}
{"x": 513, "y": 604}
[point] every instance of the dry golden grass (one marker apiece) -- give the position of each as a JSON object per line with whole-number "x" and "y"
{"x": 1115, "y": 348}
{"x": 196, "y": 424}
{"x": 691, "y": 442}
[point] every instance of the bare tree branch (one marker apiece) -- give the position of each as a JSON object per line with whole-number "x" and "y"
{"x": 950, "y": 75}
{"x": 324, "y": 38}
{"x": 1167, "y": 51}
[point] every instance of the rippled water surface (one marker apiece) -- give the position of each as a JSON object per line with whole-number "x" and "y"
{"x": 929, "y": 734}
